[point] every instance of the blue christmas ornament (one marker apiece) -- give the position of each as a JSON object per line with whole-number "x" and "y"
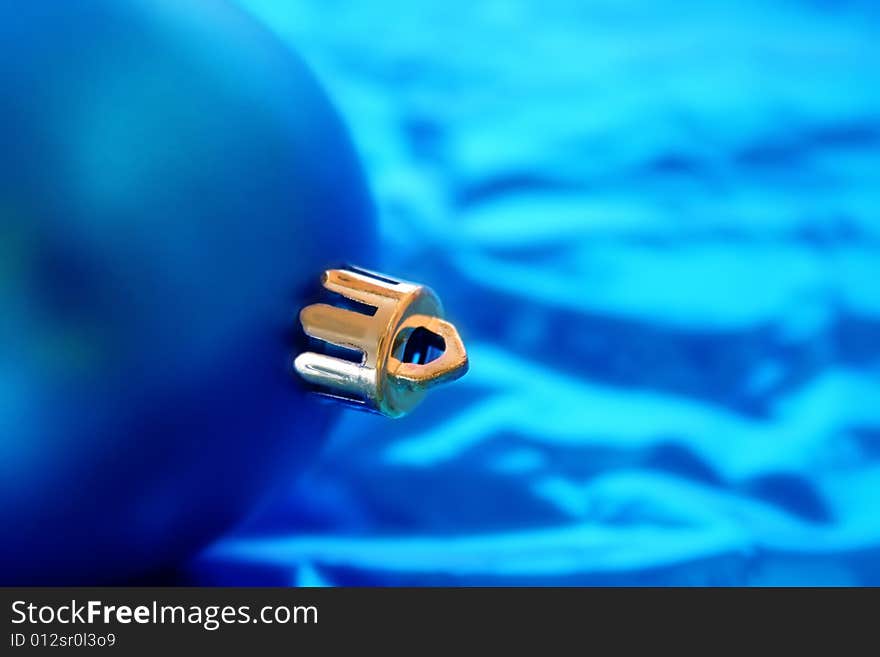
{"x": 171, "y": 182}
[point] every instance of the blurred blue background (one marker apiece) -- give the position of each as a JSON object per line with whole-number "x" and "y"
{"x": 656, "y": 226}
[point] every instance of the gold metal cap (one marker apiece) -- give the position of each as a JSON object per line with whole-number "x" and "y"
{"x": 392, "y": 343}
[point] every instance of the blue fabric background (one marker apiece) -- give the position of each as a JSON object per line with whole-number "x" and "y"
{"x": 656, "y": 226}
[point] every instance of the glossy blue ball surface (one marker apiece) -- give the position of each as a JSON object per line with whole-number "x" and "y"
{"x": 171, "y": 181}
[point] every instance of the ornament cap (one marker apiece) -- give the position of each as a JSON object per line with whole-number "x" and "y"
{"x": 382, "y": 345}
